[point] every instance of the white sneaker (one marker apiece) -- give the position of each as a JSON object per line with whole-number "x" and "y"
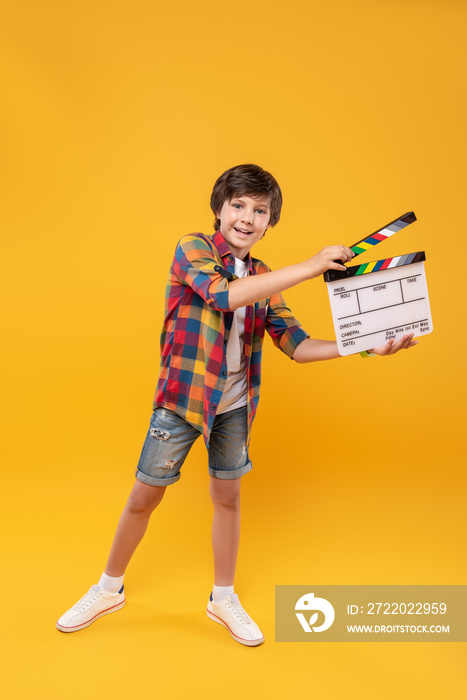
{"x": 94, "y": 604}
{"x": 229, "y": 612}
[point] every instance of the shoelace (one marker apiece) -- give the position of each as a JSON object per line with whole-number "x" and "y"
{"x": 240, "y": 613}
{"x": 87, "y": 600}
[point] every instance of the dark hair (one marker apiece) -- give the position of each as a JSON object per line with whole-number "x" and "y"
{"x": 249, "y": 180}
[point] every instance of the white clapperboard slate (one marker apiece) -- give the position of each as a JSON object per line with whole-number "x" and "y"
{"x": 374, "y": 302}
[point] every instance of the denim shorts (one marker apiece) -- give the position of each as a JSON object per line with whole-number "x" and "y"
{"x": 170, "y": 438}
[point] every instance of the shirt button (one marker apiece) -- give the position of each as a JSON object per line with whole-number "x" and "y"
{"x": 212, "y": 407}
{"x": 224, "y": 372}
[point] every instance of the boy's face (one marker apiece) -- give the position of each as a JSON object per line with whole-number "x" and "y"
{"x": 244, "y": 220}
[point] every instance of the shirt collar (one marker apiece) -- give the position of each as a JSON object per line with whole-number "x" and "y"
{"x": 224, "y": 249}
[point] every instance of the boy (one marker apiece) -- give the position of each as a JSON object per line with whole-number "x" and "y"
{"x": 219, "y": 302}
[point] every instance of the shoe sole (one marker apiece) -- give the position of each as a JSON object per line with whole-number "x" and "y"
{"x": 246, "y": 642}
{"x": 76, "y": 628}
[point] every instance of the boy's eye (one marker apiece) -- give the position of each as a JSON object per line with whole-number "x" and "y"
{"x": 261, "y": 211}
{"x": 237, "y": 206}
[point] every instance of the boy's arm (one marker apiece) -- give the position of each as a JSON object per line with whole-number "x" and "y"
{"x": 314, "y": 350}
{"x": 311, "y": 350}
{"x": 249, "y": 290}
{"x": 196, "y": 265}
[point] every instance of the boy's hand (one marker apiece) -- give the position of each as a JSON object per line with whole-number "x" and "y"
{"x": 392, "y": 346}
{"x": 329, "y": 259}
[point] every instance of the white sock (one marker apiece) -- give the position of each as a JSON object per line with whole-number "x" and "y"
{"x": 111, "y": 583}
{"x": 221, "y": 592}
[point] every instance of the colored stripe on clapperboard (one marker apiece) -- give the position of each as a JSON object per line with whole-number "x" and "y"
{"x": 383, "y": 233}
{"x": 386, "y": 264}
{"x": 373, "y": 239}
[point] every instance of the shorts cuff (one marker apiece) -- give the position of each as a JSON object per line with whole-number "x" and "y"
{"x": 154, "y": 481}
{"x": 231, "y": 473}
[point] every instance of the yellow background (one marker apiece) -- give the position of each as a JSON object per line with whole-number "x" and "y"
{"x": 117, "y": 118}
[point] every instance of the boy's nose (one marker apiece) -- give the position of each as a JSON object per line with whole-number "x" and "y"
{"x": 247, "y": 217}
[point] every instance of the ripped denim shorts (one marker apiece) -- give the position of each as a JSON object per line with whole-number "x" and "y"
{"x": 170, "y": 438}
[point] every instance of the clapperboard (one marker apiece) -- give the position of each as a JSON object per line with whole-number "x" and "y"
{"x": 377, "y": 301}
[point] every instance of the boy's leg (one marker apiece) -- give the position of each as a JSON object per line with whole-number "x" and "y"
{"x": 132, "y": 525}
{"x": 167, "y": 444}
{"x": 228, "y": 462}
{"x": 225, "y": 495}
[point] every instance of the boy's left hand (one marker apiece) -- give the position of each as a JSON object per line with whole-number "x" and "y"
{"x": 393, "y": 346}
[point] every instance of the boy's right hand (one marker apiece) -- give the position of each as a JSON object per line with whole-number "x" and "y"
{"x": 329, "y": 259}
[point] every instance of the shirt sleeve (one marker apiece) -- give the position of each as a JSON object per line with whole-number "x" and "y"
{"x": 196, "y": 266}
{"x": 284, "y": 329}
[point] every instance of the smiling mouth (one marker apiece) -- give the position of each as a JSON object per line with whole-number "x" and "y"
{"x": 241, "y": 230}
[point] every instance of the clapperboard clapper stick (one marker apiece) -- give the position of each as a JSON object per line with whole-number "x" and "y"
{"x": 374, "y": 302}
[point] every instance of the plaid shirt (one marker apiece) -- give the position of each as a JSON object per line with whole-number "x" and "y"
{"x": 197, "y": 325}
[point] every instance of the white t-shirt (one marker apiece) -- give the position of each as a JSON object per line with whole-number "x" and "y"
{"x": 236, "y": 388}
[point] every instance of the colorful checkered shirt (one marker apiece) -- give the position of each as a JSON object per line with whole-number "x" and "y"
{"x": 197, "y": 325}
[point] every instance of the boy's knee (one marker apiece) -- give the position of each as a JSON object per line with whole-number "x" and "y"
{"x": 226, "y": 494}
{"x": 145, "y": 498}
